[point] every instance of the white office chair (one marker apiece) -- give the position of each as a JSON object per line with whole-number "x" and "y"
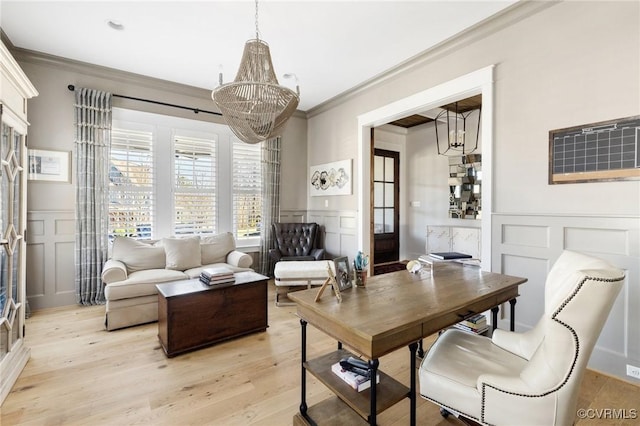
{"x": 527, "y": 378}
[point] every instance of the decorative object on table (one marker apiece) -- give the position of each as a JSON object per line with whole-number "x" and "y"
{"x": 217, "y": 275}
{"x": 360, "y": 264}
{"x": 603, "y": 151}
{"x": 331, "y": 178}
{"x": 331, "y": 280}
{"x": 343, "y": 274}
{"x": 449, "y": 255}
{"x": 46, "y": 165}
{"x": 254, "y": 105}
{"x": 414, "y": 266}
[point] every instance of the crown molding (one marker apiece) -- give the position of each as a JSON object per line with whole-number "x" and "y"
{"x": 503, "y": 19}
{"x": 14, "y": 73}
{"x": 84, "y": 68}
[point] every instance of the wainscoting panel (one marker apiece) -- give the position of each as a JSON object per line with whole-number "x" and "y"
{"x": 530, "y": 304}
{"x": 339, "y": 229}
{"x": 528, "y": 246}
{"x": 50, "y": 259}
{"x": 533, "y": 236}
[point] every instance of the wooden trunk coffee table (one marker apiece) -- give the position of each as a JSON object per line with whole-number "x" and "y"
{"x": 192, "y": 315}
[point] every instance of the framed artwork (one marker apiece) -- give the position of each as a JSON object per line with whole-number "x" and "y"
{"x": 343, "y": 273}
{"x": 603, "y": 151}
{"x": 331, "y": 179}
{"x": 53, "y": 166}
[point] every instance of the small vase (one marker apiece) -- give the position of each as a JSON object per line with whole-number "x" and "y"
{"x": 361, "y": 277}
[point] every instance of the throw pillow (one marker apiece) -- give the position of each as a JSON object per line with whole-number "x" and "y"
{"x": 182, "y": 253}
{"x": 215, "y": 248}
{"x": 138, "y": 255}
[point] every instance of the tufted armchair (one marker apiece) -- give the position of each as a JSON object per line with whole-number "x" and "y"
{"x": 296, "y": 241}
{"x": 529, "y": 378}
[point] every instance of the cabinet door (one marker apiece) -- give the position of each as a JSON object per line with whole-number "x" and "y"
{"x": 12, "y": 246}
{"x": 466, "y": 240}
{"x": 438, "y": 239}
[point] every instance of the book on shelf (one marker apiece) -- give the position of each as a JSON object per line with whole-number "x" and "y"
{"x": 463, "y": 327}
{"x": 449, "y": 255}
{"x": 356, "y": 381}
{"x": 476, "y": 319}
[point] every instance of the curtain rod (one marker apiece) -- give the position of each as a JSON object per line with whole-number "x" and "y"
{"x": 71, "y": 87}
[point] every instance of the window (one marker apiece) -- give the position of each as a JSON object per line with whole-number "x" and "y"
{"x": 131, "y": 189}
{"x": 247, "y": 190}
{"x": 194, "y": 185}
{"x": 173, "y": 176}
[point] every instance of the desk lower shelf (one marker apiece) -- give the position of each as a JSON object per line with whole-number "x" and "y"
{"x": 389, "y": 391}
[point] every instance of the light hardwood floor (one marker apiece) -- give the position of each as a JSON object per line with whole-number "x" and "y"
{"x": 80, "y": 374}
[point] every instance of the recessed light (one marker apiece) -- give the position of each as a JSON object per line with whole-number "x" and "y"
{"x": 116, "y": 25}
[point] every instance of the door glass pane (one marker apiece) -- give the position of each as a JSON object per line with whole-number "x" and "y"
{"x": 378, "y": 221}
{"x": 378, "y": 168}
{"x": 388, "y": 169}
{"x": 378, "y": 194}
{"x": 388, "y": 195}
{"x": 388, "y": 220}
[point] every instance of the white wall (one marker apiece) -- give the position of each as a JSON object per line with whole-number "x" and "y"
{"x": 557, "y": 64}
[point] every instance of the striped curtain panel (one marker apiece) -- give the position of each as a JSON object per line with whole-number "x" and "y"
{"x": 93, "y": 140}
{"x": 270, "y": 200}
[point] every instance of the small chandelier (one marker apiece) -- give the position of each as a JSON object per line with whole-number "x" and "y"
{"x": 456, "y": 131}
{"x": 254, "y": 105}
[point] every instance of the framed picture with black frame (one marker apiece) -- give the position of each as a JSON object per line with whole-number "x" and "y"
{"x": 343, "y": 272}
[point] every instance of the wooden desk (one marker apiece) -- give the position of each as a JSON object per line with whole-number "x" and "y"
{"x": 392, "y": 311}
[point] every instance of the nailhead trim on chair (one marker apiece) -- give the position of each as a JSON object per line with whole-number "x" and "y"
{"x": 575, "y": 338}
{"x": 450, "y": 408}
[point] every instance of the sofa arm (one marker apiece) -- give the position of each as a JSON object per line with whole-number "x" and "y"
{"x": 239, "y": 259}
{"x": 113, "y": 271}
{"x": 318, "y": 254}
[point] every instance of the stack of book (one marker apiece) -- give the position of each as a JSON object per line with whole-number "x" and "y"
{"x": 357, "y": 381}
{"x": 449, "y": 255}
{"x": 476, "y": 324}
{"x": 217, "y": 275}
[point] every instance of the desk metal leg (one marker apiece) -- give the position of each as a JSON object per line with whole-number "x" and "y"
{"x": 512, "y": 324}
{"x": 373, "y": 373}
{"x": 494, "y": 317}
{"x": 420, "y": 349}
{"x": 412, "y": 387}
{"x": 303, "y": 382}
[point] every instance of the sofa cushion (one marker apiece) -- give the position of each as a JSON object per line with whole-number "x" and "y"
{"x": 138, "y": 255}
{"x": 214, "y": 248}
{"x": 141, "y": 283}
{"x": 182, "y": 253}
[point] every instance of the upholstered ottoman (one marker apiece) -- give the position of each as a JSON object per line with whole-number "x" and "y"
{"x": 307, "y": 273}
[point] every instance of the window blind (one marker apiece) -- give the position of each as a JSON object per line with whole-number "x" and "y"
{"x": 131, "y": 178}
{"x": 194, "y": 185}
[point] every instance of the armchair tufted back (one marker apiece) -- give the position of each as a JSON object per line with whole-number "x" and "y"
{"x": 295, "y": 239}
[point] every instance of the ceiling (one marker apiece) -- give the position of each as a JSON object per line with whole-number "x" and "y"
{"x": 331, "y": 46}
{"x": 460, "y": 107}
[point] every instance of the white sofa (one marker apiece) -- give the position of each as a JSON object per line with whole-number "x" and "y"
{"x": 135, "y": 267}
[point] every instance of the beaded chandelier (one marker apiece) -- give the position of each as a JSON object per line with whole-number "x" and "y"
{"x": 254, "y": 105}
